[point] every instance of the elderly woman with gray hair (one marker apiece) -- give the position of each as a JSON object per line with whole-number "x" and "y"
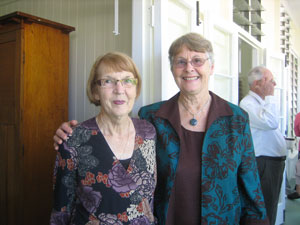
{"x": 206, "y": 166}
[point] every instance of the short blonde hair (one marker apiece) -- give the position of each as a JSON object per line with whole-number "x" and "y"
{"x": 194, "y": 42}
{"x": 111, "y": 62}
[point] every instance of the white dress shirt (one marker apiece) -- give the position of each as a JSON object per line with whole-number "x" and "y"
{"x": 264, "y": 124}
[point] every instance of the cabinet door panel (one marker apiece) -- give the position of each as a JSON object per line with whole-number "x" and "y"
{"x": 11, "y": 176}
{"x": 45, "y": 103}
{"x": 7, "y": 84}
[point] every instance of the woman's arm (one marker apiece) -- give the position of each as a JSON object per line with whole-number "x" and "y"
{"x": 63, "y": 132}
{"x": 64, "y": 186}
{"x": 253, "y": 207}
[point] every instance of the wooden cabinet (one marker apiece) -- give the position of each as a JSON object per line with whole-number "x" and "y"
{"x": 34, "y": 64}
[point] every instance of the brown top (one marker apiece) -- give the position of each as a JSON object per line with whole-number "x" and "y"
{"x": 170, "y": 111}
{"x": 185, "y": 200}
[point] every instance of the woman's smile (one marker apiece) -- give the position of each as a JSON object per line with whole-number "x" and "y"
{"x": 191, "y": 78}
{"x": 119, "y": 102}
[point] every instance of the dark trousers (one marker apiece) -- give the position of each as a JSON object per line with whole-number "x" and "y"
{"x": 270, "y": 171}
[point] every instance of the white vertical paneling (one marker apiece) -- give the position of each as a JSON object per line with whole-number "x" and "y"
{"x": 95, "y": 52}
{"x": 89, "y": 51}
{"x": 93, "y": 21}
{"x": 73, "y": 72}
{"x": 42, "y": 10}
{"x": 33, "y": 7}
{"x": 109, "y": 25}
{"x": 81, "y": 70}
{"x": 54, "y": 10}
{"x": 48, "y": 9}
{"x": 73, "y": 76}
{"x": 99, "y": 42}
{"x": 125, "y": 27}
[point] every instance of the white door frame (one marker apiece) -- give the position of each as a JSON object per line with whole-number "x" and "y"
{"x": 142, "y": 51}
{"x": 283, "y": 115}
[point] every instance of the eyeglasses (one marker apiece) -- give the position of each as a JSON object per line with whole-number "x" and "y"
{"x": 196, "y": 62}
{"x": 111, "y": 83}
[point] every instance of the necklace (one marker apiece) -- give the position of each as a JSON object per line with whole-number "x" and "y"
{"x": 194, "y": 121}
{"x": 110, "y": 142}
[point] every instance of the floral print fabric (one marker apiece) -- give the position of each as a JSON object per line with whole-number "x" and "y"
{"x": 93, "y": 187}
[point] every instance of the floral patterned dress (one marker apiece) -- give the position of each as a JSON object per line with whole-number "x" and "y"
{"x": 93, "y": 187}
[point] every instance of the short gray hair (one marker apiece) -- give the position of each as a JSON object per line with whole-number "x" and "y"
{"x": 256, "y": 73}
{"x": 194, "y": 42}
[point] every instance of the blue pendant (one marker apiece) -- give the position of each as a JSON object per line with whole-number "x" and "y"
{"x": 193, "y": 122}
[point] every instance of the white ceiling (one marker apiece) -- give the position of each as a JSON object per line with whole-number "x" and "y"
{"x": 293, "y": 9}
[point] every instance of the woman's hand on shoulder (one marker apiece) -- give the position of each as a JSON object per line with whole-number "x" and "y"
{"x": 62, "y": 132}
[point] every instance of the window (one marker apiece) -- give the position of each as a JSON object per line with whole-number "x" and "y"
{"x": 223, "y": 76}
{"x": 247, "y": 14}
{"x": 285, "y": 34}
{"x": 293, "y": 93}
{"x": 291, "y": 62}
{"x": 276, "y": 65}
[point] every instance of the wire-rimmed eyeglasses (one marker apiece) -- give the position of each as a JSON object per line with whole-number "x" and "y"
{"x": 111, "y": 83}
{"x": 195, "y": 62}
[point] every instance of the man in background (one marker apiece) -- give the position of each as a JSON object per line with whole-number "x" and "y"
{"x": 269, "y": 143}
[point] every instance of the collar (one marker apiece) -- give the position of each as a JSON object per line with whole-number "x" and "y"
{"x": 257, "y": 97}
{"x": 170, "y": 111}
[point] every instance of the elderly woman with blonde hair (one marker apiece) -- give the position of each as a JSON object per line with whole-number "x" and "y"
{"x": 105, "y": 172}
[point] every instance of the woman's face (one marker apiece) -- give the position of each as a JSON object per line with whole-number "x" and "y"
{"x": 191, "y": 79}
{"x": 117, "y": 93}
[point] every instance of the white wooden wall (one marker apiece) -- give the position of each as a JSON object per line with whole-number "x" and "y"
{"x": 94, "y": 23}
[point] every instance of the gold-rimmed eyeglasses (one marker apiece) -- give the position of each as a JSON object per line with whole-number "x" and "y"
{"x": 111, "y": 83}
{"x": 195, "y": 62}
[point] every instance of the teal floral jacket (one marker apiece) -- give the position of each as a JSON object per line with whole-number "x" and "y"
{"x": 230, "y": 191}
